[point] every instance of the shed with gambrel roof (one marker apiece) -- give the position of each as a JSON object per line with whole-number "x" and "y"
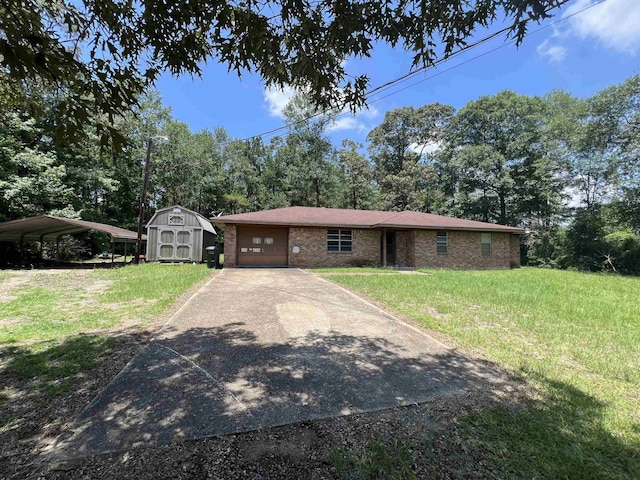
{"x": 177, "y": 234}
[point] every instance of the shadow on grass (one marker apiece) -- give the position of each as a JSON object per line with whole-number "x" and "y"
{"x": 561, "y": 435}
{"x": 52, "y": 367}
{"x": 44, "y": 385}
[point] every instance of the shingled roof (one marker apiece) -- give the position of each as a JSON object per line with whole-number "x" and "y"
{"x": 362, "y": 219}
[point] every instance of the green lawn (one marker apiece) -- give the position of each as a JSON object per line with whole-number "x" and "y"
{"x": 575, "y": 337}
{"x": 55, "y": 325}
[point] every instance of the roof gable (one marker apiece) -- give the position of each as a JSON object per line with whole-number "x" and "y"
{"x": 204, "y": 223}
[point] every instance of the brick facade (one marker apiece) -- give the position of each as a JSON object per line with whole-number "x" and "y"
{"x": 464, "y": 251}
{"x": 414, "y": 248}
{"x": 312, "y": 243}
{"x": 230, "y": 245}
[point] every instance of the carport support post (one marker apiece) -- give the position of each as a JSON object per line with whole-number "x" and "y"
{"x": 42, "y": 247}
{"x": 58, "y": 248}
{"x": 125, "y": 251}
{"x": 21, "y": 250}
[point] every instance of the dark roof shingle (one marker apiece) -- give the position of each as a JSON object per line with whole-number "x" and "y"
{"x": 337, "y": 217}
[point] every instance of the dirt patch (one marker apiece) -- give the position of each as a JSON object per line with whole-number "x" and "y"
{"x": 307, "y": 450}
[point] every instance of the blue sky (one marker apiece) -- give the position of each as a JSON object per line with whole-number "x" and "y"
{"x": 582, "y": 55}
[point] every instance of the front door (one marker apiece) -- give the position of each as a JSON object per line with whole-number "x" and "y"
{"x": 262, "y": 246}
{"x": 390, "y": 239}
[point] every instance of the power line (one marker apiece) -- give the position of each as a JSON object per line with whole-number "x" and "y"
{"x": 506, "y": 44}
{"x": 386, "y": 85}
{"x": 410, "y": 74}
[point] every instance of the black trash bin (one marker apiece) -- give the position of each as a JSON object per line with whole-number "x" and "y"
{"x": 213, "y": 256}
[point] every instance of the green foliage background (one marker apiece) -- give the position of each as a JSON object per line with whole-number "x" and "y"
{"x": 566, "y": 169}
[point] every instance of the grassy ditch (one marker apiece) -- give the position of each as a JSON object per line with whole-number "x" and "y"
{"x": 575, "y": 337}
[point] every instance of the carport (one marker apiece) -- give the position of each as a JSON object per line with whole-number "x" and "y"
{"x": 48, "y": 228}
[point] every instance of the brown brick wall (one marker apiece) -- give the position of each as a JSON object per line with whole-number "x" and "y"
{"x": 413, "y": 249}
{"x": 230, "y": 232}
{"x": 313, "y": 249}
{"x": 515, "y": 250}
{"x": 464, "y": 251}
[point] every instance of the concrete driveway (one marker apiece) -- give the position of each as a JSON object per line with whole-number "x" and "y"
{"x": 264, "y": 347}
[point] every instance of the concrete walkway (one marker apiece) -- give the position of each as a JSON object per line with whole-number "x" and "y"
{"x": 263, "y": 347}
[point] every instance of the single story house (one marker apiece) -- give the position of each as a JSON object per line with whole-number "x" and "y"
{"x": 331, "y": 237}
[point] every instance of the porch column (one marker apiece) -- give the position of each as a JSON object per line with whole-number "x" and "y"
{"x": 384, "y": 247}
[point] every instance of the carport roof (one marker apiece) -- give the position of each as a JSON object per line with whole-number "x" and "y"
{"x": 48, "y": 228}
{"x": 337, "y": 217}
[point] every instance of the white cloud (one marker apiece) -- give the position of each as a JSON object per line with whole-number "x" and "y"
{"x": 348, "y": 121}
{"x": 277, "y": 99}
{"x": 614, "y": 23}
{"x": 426, "y": 149}
{"x": 555, "y": 53}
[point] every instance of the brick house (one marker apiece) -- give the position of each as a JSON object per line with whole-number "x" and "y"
{"x": 331, "y": 237}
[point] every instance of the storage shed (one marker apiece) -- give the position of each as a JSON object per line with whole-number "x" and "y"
{"x": 176, "y": 234}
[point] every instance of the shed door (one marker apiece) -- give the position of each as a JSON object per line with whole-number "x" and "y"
{"x": 175, "y": 244}
{"x": 258, "y": 246}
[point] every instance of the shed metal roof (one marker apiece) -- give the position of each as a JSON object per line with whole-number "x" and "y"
{"x": 204, "y": 223}
{"x": 336, "y": 217}
{"x": 48, "y": 228}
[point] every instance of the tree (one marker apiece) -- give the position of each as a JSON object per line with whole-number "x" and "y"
{"x": 245, "y": 175}
{"x": 358, "y": 176}
{"x": 103, "y": 54}
{"x": 397, "y": 148}
{"x": 189, "y": 170}
{"x": 310, "y": 158}
{"x": 498, "y": 147}
{"x": 31, "y": 181}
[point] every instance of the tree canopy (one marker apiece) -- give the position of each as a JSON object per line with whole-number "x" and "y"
{"x": 100, "y": 55}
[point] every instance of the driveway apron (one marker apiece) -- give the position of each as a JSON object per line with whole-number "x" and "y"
{"x": 258, "y": 348}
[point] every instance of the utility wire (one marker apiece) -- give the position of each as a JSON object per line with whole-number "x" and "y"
{"x": 410, "y": 74}
{"x": 506, "y": 44}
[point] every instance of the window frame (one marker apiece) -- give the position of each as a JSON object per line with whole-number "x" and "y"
{"x": 175, "y": 220}
{"x": 339, "y": 240}
{"x": 485, "y": 247}
{"x": 439, "y": 234}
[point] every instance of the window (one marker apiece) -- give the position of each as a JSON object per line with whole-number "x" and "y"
{"x": 339, "y": 241}
{"x": 268, "y": 240}
{"x": 256, "y": 240}
{"x": 176, "y": 219}
{"x": 442, "y": 242}
{"x": 485, "y": 243}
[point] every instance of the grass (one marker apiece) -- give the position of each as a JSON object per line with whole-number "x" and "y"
{"x": 54, "y": 306}
{"x": 574, "y": 336}
{"x": 388, "y": 460}
{"x": 119, "y": 259}
{"x": 55, "y": 326}
{"x": 353, "y": 270}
